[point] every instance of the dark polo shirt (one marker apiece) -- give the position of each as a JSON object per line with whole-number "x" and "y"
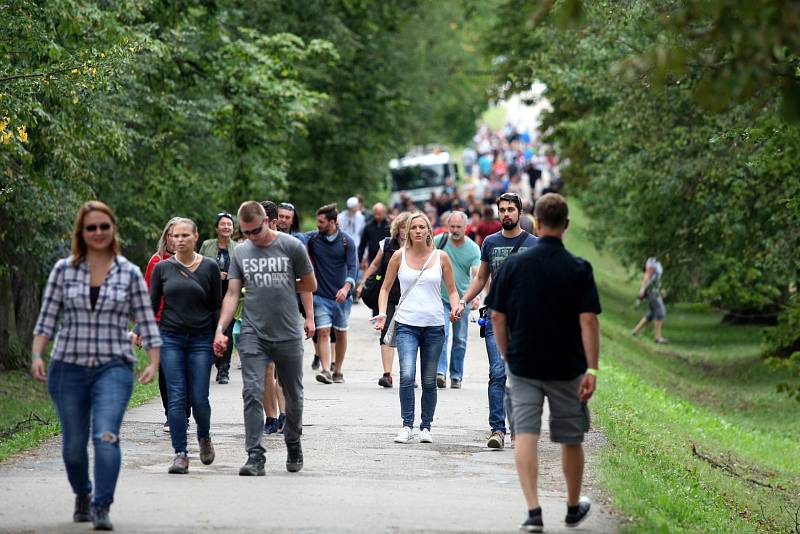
{"x": 542, "y": 292}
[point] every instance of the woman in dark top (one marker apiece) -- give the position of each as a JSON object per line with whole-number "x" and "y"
{"x": 388, "y": 247}
{"x": 190, "y": 286}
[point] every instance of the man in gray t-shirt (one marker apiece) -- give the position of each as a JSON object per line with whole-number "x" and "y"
{"x": 272, "y": 268}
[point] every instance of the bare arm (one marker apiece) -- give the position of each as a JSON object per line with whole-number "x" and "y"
{"x": 648, "y": 274}
{"x": 450, "y": 284}
{"x": 307, "y": 299}
{"x": 590, "y": 335}
{"x": 306, "y": 283}
{"x": 229, "y": 304}
{"x": 37, "y": 364}
{"x": 475, "y": 287}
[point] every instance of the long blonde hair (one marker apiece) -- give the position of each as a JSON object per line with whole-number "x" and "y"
{"x": 161, "y": 250}
{"x": 398, "y": 222}
{"x": 429, "y": 239}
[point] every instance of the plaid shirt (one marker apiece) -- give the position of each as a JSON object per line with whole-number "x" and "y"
{"x": 95, "y": 337}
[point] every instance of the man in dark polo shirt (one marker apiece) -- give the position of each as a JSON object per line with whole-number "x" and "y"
{"x": 545, "y": 308}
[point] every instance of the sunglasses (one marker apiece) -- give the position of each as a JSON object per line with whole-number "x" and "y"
{"x": 286, "y": 206}
{"x": 104, "y": 227}
{"x": 254, "y": 231}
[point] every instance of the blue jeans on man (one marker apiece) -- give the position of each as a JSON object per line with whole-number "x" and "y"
{"x": 497, "y": 383}
{"x": 459, "y": 349}
{"x": 186, "y": 360}
{"x": 428, "y": 341}
{"x": 98, "y": 395}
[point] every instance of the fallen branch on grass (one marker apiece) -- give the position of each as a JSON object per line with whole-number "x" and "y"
{"x": 33, "y": 418}
{"x": 727, "y": 468}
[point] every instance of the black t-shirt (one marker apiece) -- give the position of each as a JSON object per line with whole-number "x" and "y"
{"x": 191, "y": 303}
{"x": 542, "y": 292}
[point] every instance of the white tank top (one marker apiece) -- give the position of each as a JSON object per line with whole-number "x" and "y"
{"x": 423, "y": 305}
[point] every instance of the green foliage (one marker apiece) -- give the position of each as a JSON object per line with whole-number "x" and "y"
{"x": 782, "y": 345}
{"x": 712, "y": 195}
{"x": 188, "y": 108}
{"x": 698, "y": 440}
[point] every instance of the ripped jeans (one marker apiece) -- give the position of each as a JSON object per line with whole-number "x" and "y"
{"x": 98, "y": 395}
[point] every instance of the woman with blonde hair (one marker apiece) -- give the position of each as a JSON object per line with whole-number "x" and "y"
{"x": 387, "y": 248}
{"x": 92, "y": 295}
{"x": 419, "y": 318}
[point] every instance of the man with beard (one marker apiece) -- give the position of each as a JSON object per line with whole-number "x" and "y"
{"x": 494, "y": 251}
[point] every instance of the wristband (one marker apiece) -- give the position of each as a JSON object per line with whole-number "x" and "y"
{"x": 591, "y": 371}
{"x": 462, "y": 302}
{"x": 381, "y": 315}
{"x": 36, "y": 356}
{"x": 220, "y": 328}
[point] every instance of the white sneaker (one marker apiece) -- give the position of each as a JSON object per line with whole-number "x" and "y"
{"x": 425, "y": 436}
{"x": 404, "y": 436}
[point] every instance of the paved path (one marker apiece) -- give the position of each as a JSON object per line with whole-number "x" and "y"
{"x": 354, "y": 479}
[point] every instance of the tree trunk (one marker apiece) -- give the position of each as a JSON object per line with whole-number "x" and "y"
{"x": 12, "y": 348}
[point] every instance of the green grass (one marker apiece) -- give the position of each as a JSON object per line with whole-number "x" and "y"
{"x": 27, "y": 415}
{"x": 700, "y": 441}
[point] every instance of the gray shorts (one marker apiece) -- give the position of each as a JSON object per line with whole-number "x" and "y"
{"x": 569, "y": 418}
{"x": 657, "y": 310}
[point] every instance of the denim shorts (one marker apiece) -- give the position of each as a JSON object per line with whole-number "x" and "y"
{"x": 569, "y": 418}
{"x": 328, "y": 312}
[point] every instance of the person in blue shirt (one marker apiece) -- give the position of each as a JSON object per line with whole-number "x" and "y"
{"x": 333, "y": 254}
{"x": 495, "y": 249}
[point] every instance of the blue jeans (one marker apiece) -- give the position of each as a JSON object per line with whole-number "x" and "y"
{"x": 187, "y": 358}
{"x": 459, "y": 350}
{"x": 497, "y": 383}
{"x": 100, "y": 395}
{"x": 428, "y": 340}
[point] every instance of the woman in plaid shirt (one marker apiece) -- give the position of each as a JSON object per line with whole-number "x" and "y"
{"x": 91, "y": 296}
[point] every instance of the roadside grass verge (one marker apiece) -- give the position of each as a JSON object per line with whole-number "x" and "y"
{"x": 28, "y": 417}
{"x": 699, "y": 439}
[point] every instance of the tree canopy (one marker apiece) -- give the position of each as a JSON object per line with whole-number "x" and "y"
{"x": 187, "y": 108}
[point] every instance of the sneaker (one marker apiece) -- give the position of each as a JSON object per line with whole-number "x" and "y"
{"x": 440, "y": 381}
{"x": 100, "y": 518}
{"x": 82, "y": 513}
{"x": 270, "y": 426}
{"x": 281, "y": 422}
{"x": 315, "y": 363}
{"x": 294, "y": 457}
{"x": 338, "y": 378}
{"x": 385, "y": 380}
{"x": 404, "y": 436}
{"x": 223, "y": 378}
{"x": 219, "y": 373}
{"x": 180, "y": 464}
{"x": 661, "y": 341}
{"x": 576, "y": 514}
{"x": 425, "y": 436}
{"x": 496, "y": 440}
{"x": 239, "y": 363}
{"x": 455, "y": 383}
{"x": 165, "y": 428}
{"x": 333, "y": 367}
{"x": 254, "y": 467}
{"x": 207, "y": 454}
{"x": 324, "y": 376}
{"x": 533, "y": 523}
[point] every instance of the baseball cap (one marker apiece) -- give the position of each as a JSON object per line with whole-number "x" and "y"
{"x": 352, "y": 202}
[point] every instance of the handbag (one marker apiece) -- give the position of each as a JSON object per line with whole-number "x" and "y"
{"x": 372, "y": 285}
{"x": 390, "y": 337}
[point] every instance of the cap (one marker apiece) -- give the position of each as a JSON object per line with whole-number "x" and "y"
{"x": 352, "y": 202}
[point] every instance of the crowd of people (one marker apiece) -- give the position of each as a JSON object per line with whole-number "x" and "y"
{"x": 263, "y": 286}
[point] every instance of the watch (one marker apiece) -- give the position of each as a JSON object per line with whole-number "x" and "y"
{"x": 462, "y": 301}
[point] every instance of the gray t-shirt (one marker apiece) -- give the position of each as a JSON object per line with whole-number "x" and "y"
{"x": 270, "y": 298}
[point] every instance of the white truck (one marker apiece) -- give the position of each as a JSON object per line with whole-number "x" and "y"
{"x": 421, "y": 173}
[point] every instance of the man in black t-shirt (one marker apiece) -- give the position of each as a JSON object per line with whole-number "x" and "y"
{"x": 544, "y": 310}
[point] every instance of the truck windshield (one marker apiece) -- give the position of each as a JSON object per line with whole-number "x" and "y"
{"x": 418, "y": 177}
